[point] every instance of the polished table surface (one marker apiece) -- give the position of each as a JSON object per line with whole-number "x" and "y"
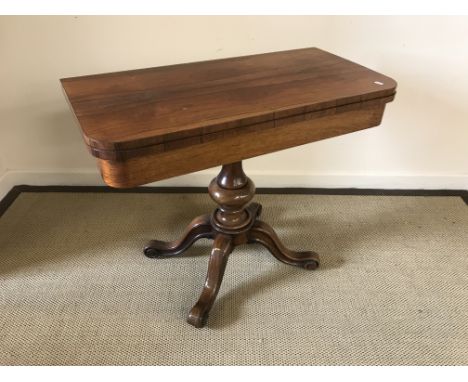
{"x": 177, "y": 119}
{"x": 150, "y": 124}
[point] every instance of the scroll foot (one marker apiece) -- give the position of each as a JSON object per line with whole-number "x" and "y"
{"x": 262, "y": 233}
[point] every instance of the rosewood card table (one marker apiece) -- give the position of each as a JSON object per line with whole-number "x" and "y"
{"x": 151, "y": 124}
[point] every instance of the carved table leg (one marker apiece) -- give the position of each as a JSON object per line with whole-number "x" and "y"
{"x": 199, "y": 228}
{"x": 262, "y": 233}
{"x": 222, "y": 247}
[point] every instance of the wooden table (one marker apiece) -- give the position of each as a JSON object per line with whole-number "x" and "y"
{"x": 150, "y": 124}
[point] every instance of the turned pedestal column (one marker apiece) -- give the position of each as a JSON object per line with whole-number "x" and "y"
{"x": 234, "y": 222}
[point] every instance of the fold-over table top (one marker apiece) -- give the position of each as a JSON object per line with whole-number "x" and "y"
{"x": 139, "y": 108}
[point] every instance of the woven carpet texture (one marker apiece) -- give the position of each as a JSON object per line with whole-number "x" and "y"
{"x": 76, "y": 289}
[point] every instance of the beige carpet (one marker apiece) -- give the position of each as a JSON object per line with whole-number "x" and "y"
{"x": 76, "y": 289}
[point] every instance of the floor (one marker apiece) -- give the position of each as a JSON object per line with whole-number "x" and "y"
{"x": 392, "y": 288}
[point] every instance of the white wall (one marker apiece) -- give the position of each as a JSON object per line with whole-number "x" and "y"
{"x": 422, "y": 142}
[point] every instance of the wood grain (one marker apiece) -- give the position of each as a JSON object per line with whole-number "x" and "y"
{"x": 161, "y": 165}
{"x": 150, "y": 107}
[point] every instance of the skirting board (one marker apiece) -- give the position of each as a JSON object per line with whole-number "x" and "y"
{"x": 261, "y": 179}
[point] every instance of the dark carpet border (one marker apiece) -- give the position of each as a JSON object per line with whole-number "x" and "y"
{"x": 9, "y": 198}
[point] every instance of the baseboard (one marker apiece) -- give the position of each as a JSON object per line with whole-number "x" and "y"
{"x": 85, "y": 177}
